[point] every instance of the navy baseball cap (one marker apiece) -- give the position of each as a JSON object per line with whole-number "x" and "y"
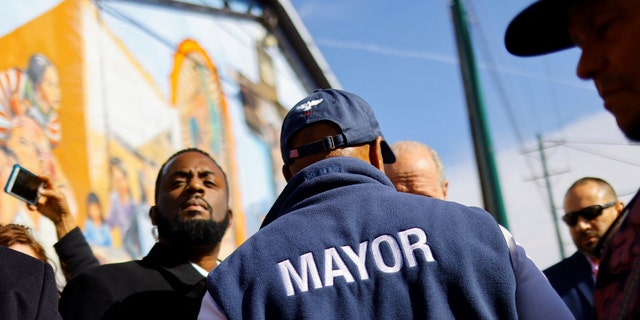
{"x": 539, "y": 29}
{"x": 348, "y": 111}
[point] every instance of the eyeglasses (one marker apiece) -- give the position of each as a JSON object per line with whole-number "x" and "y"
{"x": 588, "y": 213}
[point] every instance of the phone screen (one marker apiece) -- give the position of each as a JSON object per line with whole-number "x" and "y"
{"x": 23, "y": 184}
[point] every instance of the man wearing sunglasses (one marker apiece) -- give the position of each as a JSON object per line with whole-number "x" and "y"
{"x": 591, "y": 206}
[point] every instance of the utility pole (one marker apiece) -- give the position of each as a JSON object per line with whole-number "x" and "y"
{"x": 554, "y": 215}
{"x": 483, "y": 147}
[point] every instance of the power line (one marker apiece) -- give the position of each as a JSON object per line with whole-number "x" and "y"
{"x": 123, "y": 17}
{"x": 604, "y": 143}
{"x": 541, "y": 147}
{"x": 604, "y": 156}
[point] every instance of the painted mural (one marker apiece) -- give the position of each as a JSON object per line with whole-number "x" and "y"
{"x": 98, "y": 97}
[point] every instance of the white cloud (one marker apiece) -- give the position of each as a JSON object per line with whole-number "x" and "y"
{"x": 400, "y": 53}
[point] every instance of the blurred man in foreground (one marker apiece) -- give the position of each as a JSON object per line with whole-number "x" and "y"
{"x": 606, "y": 32}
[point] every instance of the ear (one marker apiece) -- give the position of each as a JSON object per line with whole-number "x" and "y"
{"x": 286, "y": 172}
{"x": 619, "y": 207}
{"x": 230, "y": 213}
{"x": 445, "y": 189}
{"x": 152, "y": 215}
{"x": 375, "y": 154}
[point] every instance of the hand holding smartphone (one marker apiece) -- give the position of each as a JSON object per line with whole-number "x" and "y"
{"x": 23, "y": 185}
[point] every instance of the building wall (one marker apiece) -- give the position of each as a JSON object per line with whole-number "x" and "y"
{"x": 125, "y": 86}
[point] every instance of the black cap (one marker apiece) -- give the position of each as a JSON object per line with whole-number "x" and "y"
{"x": 539, "y": 29}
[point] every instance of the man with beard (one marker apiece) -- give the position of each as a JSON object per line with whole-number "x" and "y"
{"x": 591, "y": 206}
{"x": 192, "y": 214}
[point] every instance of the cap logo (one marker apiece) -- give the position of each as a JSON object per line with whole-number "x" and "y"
{"x": 306, "y": 107}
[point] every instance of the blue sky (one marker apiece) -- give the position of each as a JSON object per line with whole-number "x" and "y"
{"x": 401, "y": 57}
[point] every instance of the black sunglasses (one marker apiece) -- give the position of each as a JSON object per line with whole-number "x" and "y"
{"x": 589, "y": 213}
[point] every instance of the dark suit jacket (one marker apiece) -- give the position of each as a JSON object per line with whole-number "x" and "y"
{"x": 163, "y": 285}
{"x": 573, "y": 280}
{"x": 75, "y": 253}
{"x": 27, "y": 287}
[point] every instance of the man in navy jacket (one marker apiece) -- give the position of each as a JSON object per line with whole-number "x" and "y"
{"x": 591, "y": 206}
{"x": 341, "y": 243}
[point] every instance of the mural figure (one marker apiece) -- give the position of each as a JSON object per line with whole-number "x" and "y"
{"x": 96, "y": 230}
{"x": 201, "y": 103}
{"x": 196, "y": 91}
{"x": 140, "y": 232}
{"x": 44, "y": 95}
{"x": 121, "y": 206}
{"x": 27, "y": 98}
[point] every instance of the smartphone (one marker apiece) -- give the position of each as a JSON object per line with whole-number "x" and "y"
{"x": 23, "y": 185}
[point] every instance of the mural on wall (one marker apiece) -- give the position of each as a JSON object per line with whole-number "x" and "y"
{"x": 197, "y": 93}
{"x": 98, "y": 103}
{"x": 263, "y": 112}
{"x": 39, "y": 97}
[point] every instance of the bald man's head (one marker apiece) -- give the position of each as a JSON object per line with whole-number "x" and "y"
{"x": 590, "y": 206}
{"x": 417, "y": 170}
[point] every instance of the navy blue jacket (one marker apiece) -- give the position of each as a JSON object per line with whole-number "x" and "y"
{"x": 341, "y": 243}
{"x": 573, "y": 280}
{"x": 27, "y": 287}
